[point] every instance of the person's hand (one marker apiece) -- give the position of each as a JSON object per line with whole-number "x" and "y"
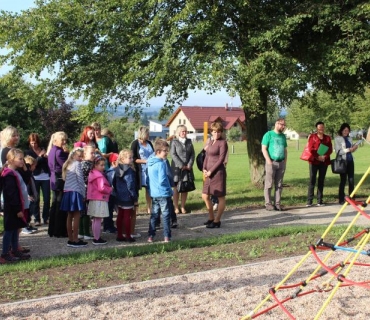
{"x": 20, "y": 214}
{"x": 354, "y": 148}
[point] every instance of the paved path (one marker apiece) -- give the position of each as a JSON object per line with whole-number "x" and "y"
{"x": 191, "y": 226}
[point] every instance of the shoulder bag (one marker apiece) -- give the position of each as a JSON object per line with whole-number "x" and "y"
{"x": 59, "y": 182}
{"x": 338, "y": 165}
{"x": 186, "y": 183}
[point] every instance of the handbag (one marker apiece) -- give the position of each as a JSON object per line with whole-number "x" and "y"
{"x": 200, "y": 159}
{"x": 186, "y": 183}
{"x": 306, "y": 154}
{"x": 59, "y": 182}
{"x": 338, "y": 165}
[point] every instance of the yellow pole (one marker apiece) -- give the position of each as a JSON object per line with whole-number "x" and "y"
{"x": 205, "y": 131}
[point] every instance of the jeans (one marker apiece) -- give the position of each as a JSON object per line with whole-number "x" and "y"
{"x": 44, "y": 186}
{"x": 343, "y": 180}
{"x": 314, "y": 169}
{"x": 274, "y": 175}
{"x": 10, "y": 239}
{"x": 161, "y": 205}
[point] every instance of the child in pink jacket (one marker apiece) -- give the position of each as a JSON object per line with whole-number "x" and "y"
{"x": 98, "y": 191}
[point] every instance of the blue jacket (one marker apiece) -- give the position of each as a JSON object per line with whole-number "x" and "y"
{"x": 123, "y": 180}
{"x": 159, "y": 182}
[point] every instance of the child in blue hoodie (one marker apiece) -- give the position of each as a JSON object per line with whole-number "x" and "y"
{"x": 160, "y": 190}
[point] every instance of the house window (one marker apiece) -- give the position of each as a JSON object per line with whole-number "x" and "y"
{"x": 184, "y": 121}
{"x": 179, "y": 121}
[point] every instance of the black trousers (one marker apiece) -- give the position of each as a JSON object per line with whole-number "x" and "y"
{"x": 314, "y": 170}
{"x": 343, "y": 180}
{"x": 57, "y": 218}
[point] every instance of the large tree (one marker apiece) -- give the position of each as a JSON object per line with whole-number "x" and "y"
{"x": 129, "y": 51}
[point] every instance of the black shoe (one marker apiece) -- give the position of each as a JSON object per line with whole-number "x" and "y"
{"x": 214, "y": 225}
{"x": 20, "y": 255}
{"x": 130, "y": 239}
{"x": 121, "y": 239}
{"x": 99, "y": 242}
{"x": 208, "y": 222}
{"x": 174, "y": 224}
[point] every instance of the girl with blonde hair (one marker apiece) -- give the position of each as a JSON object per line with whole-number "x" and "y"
{"x": 74, "y": 194}
{"x": 9, "y": 139}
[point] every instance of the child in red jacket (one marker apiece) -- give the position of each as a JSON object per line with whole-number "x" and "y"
{"x": 98, "y": 192}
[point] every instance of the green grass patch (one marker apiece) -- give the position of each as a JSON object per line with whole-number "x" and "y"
{"x": 161, "y": 248}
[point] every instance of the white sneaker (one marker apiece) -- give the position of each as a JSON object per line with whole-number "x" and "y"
{"x": 80, "y": 236}
{"x": 88, "y": 238}
{"x": 136, "y": 235}
{"x": 215, "y": 207}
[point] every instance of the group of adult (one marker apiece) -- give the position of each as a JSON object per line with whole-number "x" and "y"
{"x": 319, "y": 147}
{"x": 182, "y": 160}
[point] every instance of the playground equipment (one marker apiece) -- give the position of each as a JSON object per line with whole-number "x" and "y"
{"x": 333, "y": 276}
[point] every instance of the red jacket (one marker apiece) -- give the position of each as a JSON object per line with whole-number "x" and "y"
{"x": 313, "y": 144}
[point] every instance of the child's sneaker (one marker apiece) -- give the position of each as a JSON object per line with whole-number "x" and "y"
{"x": 80, "y": 243}
{"x": 99, "y": 242}
{"x": 80, "y": 236}
{"x": 9, "y": 258}
{"x": 167, "y": 239}
{"x": 27, "y": 231}
{"x": 88, "y": 238}
{"x": 150, "y": 239}
{"x": 136, "y": 235}
{"x": 130, "y": 239}
{"x": 20, "y": 255}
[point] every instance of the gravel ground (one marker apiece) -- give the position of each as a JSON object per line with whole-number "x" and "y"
{"x": 218, "y": 294}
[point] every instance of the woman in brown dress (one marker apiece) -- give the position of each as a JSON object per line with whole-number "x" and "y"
{"x": 214, "y": 173}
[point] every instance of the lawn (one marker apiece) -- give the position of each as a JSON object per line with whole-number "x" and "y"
{"x": 241, "y": 193}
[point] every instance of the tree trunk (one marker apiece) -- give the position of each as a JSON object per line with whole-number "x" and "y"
{"x": 256, "y": 124}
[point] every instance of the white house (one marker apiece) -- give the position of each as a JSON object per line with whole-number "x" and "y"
{"x": 291, "y": 134}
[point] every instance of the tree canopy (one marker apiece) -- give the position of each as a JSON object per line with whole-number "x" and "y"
{"x": 332, "y": 110}
{"x": 129, "y": 51}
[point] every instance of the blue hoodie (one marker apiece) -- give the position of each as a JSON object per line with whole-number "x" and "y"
{"x": 159, "y": 183}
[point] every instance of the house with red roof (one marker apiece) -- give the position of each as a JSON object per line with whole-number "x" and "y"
{"x": 194, "y": 117}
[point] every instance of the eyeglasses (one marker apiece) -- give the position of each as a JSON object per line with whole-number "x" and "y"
{"x": 165, "y": 150}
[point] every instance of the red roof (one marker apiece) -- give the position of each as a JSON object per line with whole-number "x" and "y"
{"x": 198, "y": 115}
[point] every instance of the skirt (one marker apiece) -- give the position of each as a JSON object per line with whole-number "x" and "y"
{"x": 98, "y": 209}
{"x": 72, "y": 201}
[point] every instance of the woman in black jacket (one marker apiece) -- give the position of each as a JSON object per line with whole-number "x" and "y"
{"x": 42, "y": 179}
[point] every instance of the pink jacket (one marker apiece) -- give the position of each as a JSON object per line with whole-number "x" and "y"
{"x": 98, "y": 187}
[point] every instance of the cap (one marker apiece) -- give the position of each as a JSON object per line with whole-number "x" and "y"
{"x": 113, "y": 157}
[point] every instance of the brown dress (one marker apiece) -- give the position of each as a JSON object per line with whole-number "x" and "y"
{"x": 214, "y": 162}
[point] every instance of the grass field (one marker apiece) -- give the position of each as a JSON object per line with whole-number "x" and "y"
{"x": 241, "y": 193}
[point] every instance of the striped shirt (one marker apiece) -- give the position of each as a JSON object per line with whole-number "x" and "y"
{"x": 75, "y": 179}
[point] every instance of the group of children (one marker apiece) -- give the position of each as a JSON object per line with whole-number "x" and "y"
{"x": 87, "y": 191}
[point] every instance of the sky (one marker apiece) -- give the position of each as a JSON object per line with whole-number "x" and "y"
{"x": 196, "y": 98}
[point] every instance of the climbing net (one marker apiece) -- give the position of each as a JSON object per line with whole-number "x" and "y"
{"x": 328, "y": 275}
